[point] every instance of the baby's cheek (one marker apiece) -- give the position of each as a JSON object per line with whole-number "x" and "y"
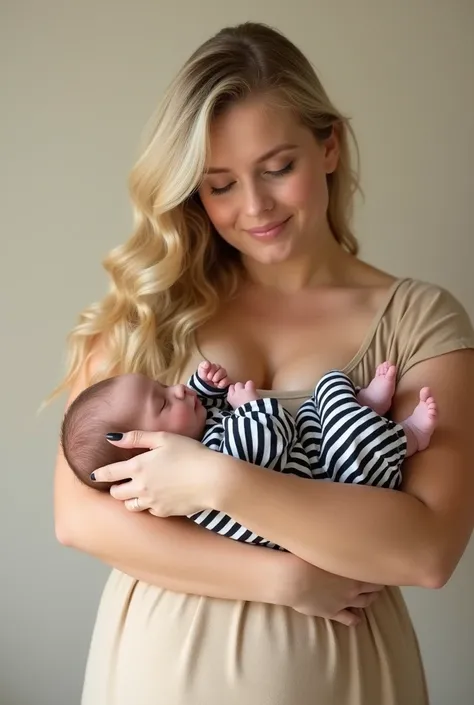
{"x": 149, "y": 421}
{"x": 179, "y": 421}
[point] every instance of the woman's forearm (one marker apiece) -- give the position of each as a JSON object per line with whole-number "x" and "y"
{"x": 412, "y": 536}
{"x": 171, "y": 553}
{"x": 365, "y": 533}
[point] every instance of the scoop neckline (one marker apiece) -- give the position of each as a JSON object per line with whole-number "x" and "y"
{"x": 356, "y": 358}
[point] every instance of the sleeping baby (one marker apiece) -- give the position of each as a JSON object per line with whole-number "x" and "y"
{"x": 339, "y": 434}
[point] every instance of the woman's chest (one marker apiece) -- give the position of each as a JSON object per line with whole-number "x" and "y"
{"x": 284, "y": 346}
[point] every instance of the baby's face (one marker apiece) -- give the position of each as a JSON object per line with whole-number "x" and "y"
{"x": 151, "y": 406}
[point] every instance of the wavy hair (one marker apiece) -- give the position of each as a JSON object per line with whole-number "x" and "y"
{"x": 168, "y": 278}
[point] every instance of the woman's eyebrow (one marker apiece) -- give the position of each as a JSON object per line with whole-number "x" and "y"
{"x": 262, "y": 158}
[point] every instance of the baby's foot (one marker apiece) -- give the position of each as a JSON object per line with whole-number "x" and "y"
{"x": 420, "y": 425}
{"x": 379, "y": 394}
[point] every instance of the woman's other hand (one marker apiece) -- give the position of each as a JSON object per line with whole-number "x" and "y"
{"x": 171, "y": 479}
{"x": 317, "y": 593}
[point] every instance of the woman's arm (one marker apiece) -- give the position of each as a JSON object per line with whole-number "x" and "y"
{"x": 172, "y": 553}
{"x": 410, "y": 537}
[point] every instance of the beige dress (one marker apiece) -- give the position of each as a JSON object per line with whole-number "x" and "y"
{"x": 155, "y": 647}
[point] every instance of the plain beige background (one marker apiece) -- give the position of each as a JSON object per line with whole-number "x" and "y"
{"x": 80, "y": 80}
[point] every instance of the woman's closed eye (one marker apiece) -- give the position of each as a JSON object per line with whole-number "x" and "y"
{"x": 282, "y": 172}
{"x": 217, "y": 191}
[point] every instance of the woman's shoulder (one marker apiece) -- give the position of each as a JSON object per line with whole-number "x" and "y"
{"x": 409, "y": 290}
{"x": 418, "y": 303}
{"x": 422, "y": 320}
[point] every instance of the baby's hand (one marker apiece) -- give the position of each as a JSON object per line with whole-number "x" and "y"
{"x": 215, "y": 375}
{"x": 240, "y": 393}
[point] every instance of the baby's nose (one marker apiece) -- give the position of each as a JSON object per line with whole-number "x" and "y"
{"x": 180, "y": 391}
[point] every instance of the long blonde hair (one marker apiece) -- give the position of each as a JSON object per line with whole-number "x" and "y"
{"x": 168, "y": 278}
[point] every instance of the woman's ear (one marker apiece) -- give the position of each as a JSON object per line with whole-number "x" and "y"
{"x": 331, "y": 150}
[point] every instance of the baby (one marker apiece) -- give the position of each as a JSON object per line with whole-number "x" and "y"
{"x": 339, "y": 434}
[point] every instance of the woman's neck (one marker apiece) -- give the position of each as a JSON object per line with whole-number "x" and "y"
{"x": 322, "y": 266}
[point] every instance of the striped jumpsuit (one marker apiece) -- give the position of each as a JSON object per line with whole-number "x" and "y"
{"x": 332, "y": 437}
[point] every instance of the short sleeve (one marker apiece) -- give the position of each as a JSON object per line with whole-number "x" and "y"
{"x": 430, "y": 321}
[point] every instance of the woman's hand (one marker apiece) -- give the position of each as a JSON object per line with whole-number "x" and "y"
{"x": 171, "y": 479}
{"x": 174, "y": 478}
{"x": 317, "y": 593}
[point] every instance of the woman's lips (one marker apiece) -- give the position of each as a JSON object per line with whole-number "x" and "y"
{"x": 270, "y": 230}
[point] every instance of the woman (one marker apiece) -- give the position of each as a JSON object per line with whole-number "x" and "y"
{"x": 243, "y": 254}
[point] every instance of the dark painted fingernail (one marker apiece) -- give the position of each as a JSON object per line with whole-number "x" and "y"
{"x": 114, "y": 436}
{"x": 92, "y": 476}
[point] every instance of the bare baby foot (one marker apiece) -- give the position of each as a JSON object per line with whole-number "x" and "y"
{"x": 379, "y": 394}
{"x": 420, "y": 425}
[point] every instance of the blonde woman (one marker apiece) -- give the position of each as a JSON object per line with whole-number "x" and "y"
{"x": 243, "y": 254}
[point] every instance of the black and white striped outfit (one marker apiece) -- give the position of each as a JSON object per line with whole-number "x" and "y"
{"x": 332, "y": 437}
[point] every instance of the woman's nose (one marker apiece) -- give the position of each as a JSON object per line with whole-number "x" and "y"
{"x": 257, "y": 200}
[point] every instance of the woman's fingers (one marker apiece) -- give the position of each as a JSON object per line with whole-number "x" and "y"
{"x": 114, "y": 472}
{"x": 346, "y": 617}
{"x": 137, "y": 439}
{"x": 134, "y": 505}
{"x": 364, "y": 600}
{"x": 132, "y": 495}
{"x": 126, "y": 469}
{"x": 127, "y": 490}
{"x": 370, "y": 587}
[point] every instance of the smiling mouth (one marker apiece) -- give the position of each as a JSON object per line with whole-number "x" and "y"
{"x": 268, "y": 231}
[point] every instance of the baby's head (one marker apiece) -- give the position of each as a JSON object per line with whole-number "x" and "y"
{"x": 120, "y": 404}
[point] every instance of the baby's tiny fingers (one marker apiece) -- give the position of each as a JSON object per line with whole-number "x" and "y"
{"x": 219, "y": 375}
{"x": 209, "y": 373}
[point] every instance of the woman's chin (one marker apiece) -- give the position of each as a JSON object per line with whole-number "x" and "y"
{"x": 277, "y": 253}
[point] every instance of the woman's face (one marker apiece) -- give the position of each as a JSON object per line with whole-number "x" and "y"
{"x": 265, "y": 187}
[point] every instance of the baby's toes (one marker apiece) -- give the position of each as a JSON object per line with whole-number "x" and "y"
{"x": 425, "y": 394}
{"x": 432, "y": 406}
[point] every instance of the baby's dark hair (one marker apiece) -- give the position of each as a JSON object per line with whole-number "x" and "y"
{"x": 83, "y": 441}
